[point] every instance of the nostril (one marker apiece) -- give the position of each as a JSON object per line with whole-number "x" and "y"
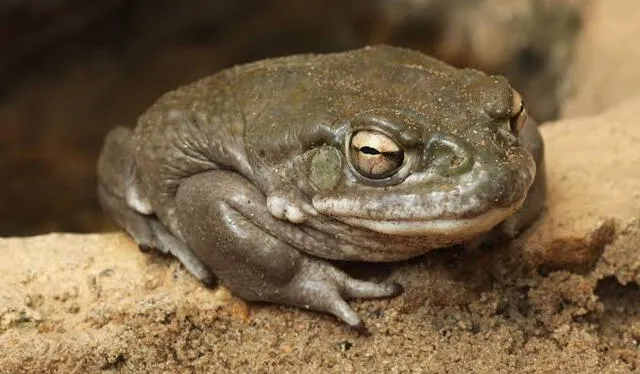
{"x": 448, "y": 156}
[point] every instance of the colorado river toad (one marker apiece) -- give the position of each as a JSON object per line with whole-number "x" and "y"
{"x": 262, "y": 174}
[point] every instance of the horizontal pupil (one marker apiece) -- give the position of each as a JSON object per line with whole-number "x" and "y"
{"x": 369, "y": 151}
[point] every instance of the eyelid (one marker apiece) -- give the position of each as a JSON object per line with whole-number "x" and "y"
{"x": 392, "y": 123}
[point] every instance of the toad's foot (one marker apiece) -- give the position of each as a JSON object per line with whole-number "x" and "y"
{"x": 320, "y": 286}
{"x": 225, "y": 221}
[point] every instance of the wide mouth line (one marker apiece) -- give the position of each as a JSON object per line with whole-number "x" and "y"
{"x": 448, "y": 216}
{"x": 444, "y": 226}
{"x": 462, "y": 216}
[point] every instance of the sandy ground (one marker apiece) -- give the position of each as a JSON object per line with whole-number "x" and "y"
{"x": 564, "y": 297}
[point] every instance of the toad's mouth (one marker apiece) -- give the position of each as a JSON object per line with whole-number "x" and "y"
{"x": 449, "y": 227}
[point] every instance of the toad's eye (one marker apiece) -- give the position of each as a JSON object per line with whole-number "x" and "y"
{"x": 374, "y": 155}
{"x": 518, "y": 117}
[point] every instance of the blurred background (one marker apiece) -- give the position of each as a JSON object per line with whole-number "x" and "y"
{"x": 70, "y": 70}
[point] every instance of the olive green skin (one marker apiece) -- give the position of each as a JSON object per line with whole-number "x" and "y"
{"x": 247, "y": 174}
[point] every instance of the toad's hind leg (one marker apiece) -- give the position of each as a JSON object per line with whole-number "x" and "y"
{"x": 224, "y": 219}
{"x": 120, "y": 197}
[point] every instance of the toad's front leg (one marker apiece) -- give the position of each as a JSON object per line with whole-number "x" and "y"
{"x": 225, "y": 221}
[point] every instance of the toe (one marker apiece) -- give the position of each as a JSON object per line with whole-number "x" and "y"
{"x": 357, "y": 289}
{"x": 339, "y": 308}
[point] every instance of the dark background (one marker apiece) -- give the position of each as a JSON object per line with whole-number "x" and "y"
{"x": 70, "y": 70}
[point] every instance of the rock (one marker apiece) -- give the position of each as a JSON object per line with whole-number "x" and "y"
{"x": 593, "y": 168}
{"x": 605, "y": 71}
